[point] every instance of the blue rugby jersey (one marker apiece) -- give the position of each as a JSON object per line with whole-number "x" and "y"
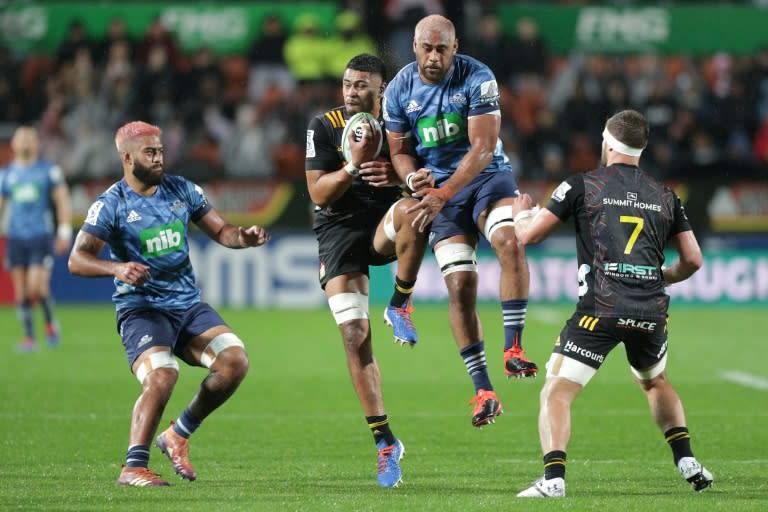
{"x": 436, "y": 114}
{"x": 152, "y": 230}
{"x": 29, "y": 191}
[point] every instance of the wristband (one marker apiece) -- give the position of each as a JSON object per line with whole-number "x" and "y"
{"x": 352, "y": 170}
{"x": 409, "y": 179}
{"x": 64, "y": 231}
{"x": 445, "y": 192}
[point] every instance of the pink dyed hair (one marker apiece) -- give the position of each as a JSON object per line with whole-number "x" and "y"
{"x": 134, "y": 130}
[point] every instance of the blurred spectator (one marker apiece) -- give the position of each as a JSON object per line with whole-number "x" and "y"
{"x": 158, "y": 35}
{"x": 247, "y": 153}
{"x": 154, "y": 87}
{"x": 349, "y": 40}
{"x": 489, "y": 45}
{"x": 528, "y": 52}
{"x": 203, "y": 66}
{"x": 116, "y": 33}
{"x": 11, "y": 104}
{"x": 75, "y": 40}
{"x": 402, "y": 16}
{"x": 306, "y": 54}
{"x": 266, "y": 62}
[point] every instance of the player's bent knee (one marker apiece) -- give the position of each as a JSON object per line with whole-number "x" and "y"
{"x": 571, "y": 369}
{"x": 219, "y": 344}
{"x": 652, "y": 372}
{"x": 499, "y": 217}
{"x": 348, "y": 306}
{"x": 155, "y": 360}
{"x": 389, "y": 218}
{"x": 456, "y": 257}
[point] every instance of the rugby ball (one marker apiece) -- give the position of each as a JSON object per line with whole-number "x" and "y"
{"x": 360, "y": 124}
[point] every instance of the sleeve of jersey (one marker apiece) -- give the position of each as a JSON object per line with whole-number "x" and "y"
{"x": 99, "y": 221}
{"x": 680, "y": 222}
{"x": 321, "y": 154}
{"x": 198, "y": 203}
{"x": 566, "y": 198}
{"x": 395, "y": 119}
{"x": 483, "y": 93}
{"x": 56, "y": 175}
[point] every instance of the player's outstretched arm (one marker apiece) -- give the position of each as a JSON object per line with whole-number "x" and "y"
{"x": 84, "y": 261}
{"x": 690, "y": 259}
{"x": 228, "y": 235}
{"x": 532, "y": 224}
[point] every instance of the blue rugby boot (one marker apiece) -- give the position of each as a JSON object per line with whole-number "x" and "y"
{"x": 402, "y": 325}
{"x": 388, "y": 467}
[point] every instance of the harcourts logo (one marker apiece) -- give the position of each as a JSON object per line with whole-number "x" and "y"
{"x": 162, "y": 239}
{"x": 439, "y": 130}
{"x": 575, "y": 349}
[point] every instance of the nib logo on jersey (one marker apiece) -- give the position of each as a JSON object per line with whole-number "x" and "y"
{"x": 435, "y": 131}
{"x": 162, "y": 239}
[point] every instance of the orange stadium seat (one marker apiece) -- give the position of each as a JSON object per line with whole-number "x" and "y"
{"x": 35, "y": 66}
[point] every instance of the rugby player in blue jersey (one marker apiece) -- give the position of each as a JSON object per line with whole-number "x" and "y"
{"x": 442, "y": 115}
{"x": 144, "y": 219}
{"x": 35, "y": 190}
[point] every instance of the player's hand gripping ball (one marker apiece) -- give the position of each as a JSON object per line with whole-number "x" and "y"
{"x": 361, "y": 124}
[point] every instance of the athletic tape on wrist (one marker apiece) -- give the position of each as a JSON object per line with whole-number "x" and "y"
{"x": 352, "y": 170}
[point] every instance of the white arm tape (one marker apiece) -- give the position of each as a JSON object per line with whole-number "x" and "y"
{"x": 217, "y": 345}
{"x": 352, "y": 170}
{"x": 155, "y": 360}
{"x": 348, "y": 306}
{"x": 527, "y": 213}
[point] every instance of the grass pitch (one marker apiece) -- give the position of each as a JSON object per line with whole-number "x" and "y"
{"x": 294, "y": 438}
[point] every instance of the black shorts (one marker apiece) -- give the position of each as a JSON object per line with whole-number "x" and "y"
{"x": 347, "y": 246}
{"x": 589, "y": 340}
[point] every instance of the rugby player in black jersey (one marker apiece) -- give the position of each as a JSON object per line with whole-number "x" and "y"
{"x": 624, "y": 219}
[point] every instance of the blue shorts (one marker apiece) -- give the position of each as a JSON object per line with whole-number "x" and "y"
{"x": 459, "y": 215}
{"x": 142, "y": 328}
{"x": 21, "y": 252}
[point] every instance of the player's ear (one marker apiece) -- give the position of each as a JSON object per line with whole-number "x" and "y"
{"x": 382, "y": 87}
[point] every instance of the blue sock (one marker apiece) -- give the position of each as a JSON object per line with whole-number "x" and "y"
{"x": 513, "y": 312}
{"x": 24, "y": 310}
{"x": 474, "y": 360}
{"x": 186, "y": 425}
{"x": 137, "y": 456}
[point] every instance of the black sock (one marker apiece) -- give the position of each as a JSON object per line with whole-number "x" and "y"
{"x": 680, "y": 442}
{"x": 379, "y": 426}
{"x": 403, "y": 291}
{"x": 554, "y": 465}
{"x": 137, "y": 456}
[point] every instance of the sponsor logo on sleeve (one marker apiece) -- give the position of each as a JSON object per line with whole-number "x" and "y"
{"x": 559, "y": 193}
{"x": 310, "y": 143}
{"x": 93, "y": 213}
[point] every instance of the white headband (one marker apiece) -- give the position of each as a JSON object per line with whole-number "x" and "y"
{"x": 619, "y": 146}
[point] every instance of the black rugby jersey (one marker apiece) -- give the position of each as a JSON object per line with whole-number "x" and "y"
{"x": 324, "y": 154}
{"x": 623, "y": 219}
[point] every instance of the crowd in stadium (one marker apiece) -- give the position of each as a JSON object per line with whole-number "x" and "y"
{"x": 245, "y": 116}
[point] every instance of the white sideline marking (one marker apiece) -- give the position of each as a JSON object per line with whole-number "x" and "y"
{"x": 746, "y": 379}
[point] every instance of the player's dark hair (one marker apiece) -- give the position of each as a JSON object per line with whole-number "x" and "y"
{"x": 629, "y": 127}
{"x": 368, "y": 63}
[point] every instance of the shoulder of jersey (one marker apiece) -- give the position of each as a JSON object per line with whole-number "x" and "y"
{"x": 335, "y": 117}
